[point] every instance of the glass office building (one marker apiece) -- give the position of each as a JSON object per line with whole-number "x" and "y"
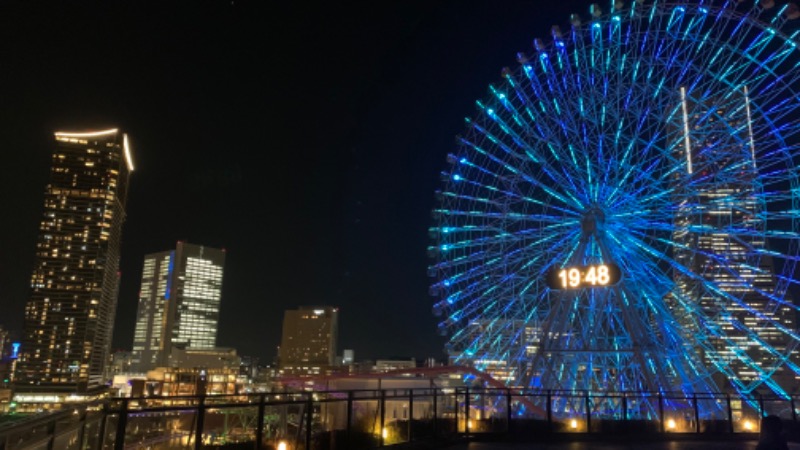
{"x": 178, "y": 303}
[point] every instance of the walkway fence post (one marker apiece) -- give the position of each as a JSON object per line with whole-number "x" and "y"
{"x": 455, "y": 410}
{"x": 101, "y": 438}
{"x": 310, "y": 420}
{"x": 588, "y": 413}
{"x": 122, "y": 424}
{"x": 730, "y": 412}
{"x": 466, "y": 410}
{"x": 435, "y": 414}
{"x": 349, "y": 424}
{"x": 624, "y": 408}
{"x": 508, "y": 411}
{"x": 82, "y": 430}
{"x": 262, "y": 400}
{"x": 383, "y": 416}
{"x": 200, "y": 421}
{"x": 410, "y": 415}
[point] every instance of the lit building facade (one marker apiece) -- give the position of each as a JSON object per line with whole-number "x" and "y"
{"x": 713, "y": 140}
{"x": 175, "y": 381}
{"x": 388, "y": 365}
{"x": 308, "y": 343}
{"x": 524, "y": 340}
{"x": 4, "y": 342}
{"x": 69, "y": 316}
{"x": 178, "y": 303}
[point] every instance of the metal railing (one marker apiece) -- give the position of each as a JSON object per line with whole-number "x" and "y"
{"x": 80, "y": 428}
{"x": 365, "y": 419}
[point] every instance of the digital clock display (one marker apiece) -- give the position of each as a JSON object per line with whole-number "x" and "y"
{"x": 578, "y": 277}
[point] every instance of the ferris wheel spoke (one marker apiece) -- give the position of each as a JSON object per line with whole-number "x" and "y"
{"x": 722, "y": 296}
{"x": 474, "y": 278}
{"x": 567, "y": 198}
{"x": 500, "y": 202}
{"x": 498, "y": 198}
{"x": 549, "y": 142}
{"x": 568, "y": 124}
{"x": 712, "y": 341}
{"x": 780, "y": 356}
{"x": 530, "y": 154}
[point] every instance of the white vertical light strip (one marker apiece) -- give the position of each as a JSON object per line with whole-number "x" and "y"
{"x": 686, "y": 141}
{"x": 127, "y": 149}
{"x": 750, "y": 126}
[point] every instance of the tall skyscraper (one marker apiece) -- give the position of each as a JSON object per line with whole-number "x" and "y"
{"x": 69, "y": 317}
{"x": 178, "y": 303}
{"x": 308, "y": 344}
{"x": 713, "y": 140}
{"x": 4, "y": 342}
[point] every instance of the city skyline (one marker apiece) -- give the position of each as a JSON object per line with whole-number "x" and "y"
{"x": 318, "y": 184}
{"x": 611, "y": 236}
{"x": 308, "y": 144}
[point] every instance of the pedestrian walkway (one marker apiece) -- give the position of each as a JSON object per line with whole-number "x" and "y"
{"x": 593, "y": 445}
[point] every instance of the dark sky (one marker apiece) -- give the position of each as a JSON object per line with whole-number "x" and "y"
{"x": 306, "y": 139}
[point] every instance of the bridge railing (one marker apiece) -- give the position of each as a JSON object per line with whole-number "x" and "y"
{"x": 365, "y": 419}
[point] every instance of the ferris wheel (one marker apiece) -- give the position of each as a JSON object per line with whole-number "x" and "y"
{"x": 621, "y": 213}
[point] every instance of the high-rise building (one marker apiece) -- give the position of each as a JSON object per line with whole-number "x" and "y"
{"x": 178, "y": 303}
{"x": 524, "y": 338}
{"x": 4, "y": 342}
{"x": 308, "y": 343}
{"x": 69, "y": 317}
{"x": 713, "y": 139}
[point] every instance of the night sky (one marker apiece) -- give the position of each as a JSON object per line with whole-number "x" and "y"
{"x": 305, "y": 139}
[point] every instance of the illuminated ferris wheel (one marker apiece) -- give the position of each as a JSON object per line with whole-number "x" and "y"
{"x": 621, "y": 213}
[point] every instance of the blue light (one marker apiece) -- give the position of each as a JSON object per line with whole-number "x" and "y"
{"x": 586, "y": 129}
{"x": 170, "y": 267}
{"x": 15, "y": 350}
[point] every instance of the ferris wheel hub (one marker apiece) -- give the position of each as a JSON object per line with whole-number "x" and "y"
{"x": 593, "y": 221}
